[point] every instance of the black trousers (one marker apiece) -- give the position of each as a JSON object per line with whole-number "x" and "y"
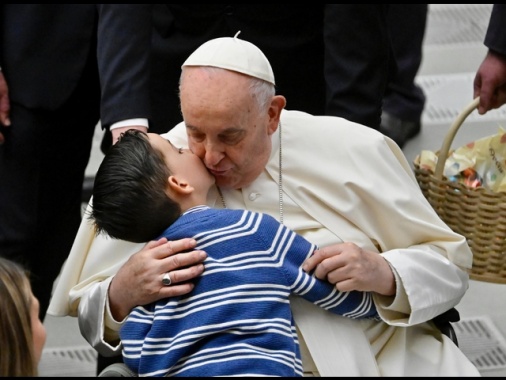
{"x": 404, "y": 98}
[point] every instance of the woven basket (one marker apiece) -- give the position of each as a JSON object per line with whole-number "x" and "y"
{"x": 476, "y": 213}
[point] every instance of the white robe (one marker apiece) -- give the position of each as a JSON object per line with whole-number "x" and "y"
{"x": 341, "y": 182}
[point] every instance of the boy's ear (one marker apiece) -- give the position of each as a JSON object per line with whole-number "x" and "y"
{"x": 179, "y": 185}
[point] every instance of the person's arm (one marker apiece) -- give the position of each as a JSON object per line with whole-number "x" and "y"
{"x": 490, "y": 79}
{"x": 351, "y": 304}
{"x": 371, "y": 200}
{"x": 139, "y": 280}
{"x": 350, "y": 267}
{"x": 102, "y": 305}
{"x": 123, "y": 53}
{"x": 4, "y": 106}
{"x": 84, "y": 289}
{"x": 122, "y": 126}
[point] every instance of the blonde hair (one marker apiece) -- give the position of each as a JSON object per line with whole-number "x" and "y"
{"x": 17, "y": 357}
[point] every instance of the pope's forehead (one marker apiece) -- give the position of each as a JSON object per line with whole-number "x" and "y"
{"x": 220, "y": 90}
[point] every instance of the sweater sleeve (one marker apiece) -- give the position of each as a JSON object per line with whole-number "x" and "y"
{"x": 354, "y": 304}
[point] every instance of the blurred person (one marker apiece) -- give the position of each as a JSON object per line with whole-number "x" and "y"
{"x": 358, "y": 61}
{"x": 404, "y": 99}
{"x": 22, "y": 334}
{"x": 146, "y": 188}
{"x": 375, "y": 228}
{"x": 53, "y": 59}
{"x": 290, "y": 34}
{"x": 490, "y": 79}
{"x": 338, "y": 53}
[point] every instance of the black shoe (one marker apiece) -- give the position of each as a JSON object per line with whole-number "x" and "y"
{"x": 399, "y": 130}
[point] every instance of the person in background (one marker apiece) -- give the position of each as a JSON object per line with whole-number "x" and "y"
{"x": 341, "y": 185}
{"x": 53, "y": 58}
{"x": 490, "y": 79}
{"x": 22, "y": 334}
{"x": 146, "y": 188}
{"x": 404, "y": 99}
{"x": 340, "y": 54}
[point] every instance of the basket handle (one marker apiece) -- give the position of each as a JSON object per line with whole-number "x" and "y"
{"x": 447, "y": 142}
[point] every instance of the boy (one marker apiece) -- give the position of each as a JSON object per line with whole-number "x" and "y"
{"x": 237, "y": 320}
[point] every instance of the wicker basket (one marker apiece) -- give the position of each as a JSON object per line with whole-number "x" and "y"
{"x": 476, "y": 213}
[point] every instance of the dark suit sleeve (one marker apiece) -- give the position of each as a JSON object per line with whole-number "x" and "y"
{"x": 123, "y": 52}
{"x": 495, "y": 39}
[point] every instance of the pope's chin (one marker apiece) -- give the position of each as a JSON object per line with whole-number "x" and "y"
{"x": 224, "y": 181}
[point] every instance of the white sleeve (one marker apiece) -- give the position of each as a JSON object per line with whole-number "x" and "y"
{"x": 95, "y": 322}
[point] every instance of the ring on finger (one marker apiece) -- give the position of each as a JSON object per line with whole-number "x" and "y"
{"x": 166, "y": 281}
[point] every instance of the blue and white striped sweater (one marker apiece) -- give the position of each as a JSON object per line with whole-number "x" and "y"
{"x": 237, "y": 320}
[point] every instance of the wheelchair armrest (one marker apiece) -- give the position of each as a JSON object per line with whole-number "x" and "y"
{"x": 443, "y": 323}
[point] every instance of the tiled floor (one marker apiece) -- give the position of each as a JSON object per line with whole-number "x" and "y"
{"x": 453, "y": 50}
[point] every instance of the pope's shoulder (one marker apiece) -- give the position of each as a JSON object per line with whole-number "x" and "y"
{"x": 326, "y": 127}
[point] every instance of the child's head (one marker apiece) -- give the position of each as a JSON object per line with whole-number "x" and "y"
{"x": 22, "y": 334}
{"x": 142, "y": 186}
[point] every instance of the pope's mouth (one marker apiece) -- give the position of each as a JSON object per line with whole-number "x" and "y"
{"x": 218, "y": 173}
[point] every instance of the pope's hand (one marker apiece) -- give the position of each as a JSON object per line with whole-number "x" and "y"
{"x": 139, "y": 280}
{"x": 350, "y": 267}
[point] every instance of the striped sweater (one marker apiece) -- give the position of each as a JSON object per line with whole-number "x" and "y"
{"x": 237, "y": 320}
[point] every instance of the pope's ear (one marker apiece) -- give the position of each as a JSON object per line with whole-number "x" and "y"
{"x": 278, "y": 102}
{"x": 179, "y": 185}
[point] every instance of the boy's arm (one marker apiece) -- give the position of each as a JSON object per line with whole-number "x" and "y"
{"x": 353, "y": 304}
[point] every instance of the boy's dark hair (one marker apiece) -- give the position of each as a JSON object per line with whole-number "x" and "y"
{"x": 129, "y": 200}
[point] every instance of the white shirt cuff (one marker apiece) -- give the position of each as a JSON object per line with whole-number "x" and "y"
{"x": 126, "y": 123}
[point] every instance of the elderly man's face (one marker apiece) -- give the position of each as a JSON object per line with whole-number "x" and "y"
{"x": 225, "y": 128}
